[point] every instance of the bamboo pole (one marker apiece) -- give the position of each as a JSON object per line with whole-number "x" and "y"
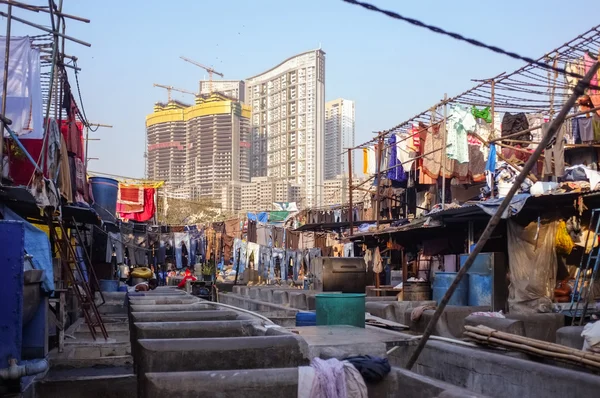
{"x": 4, "y": 88}
{"x": 43, "y": 28}
{"x": 495, "y": 220}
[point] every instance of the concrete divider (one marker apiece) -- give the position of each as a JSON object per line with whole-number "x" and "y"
{"x": 177, "y": 355}
{"x": 162, "y": 300}
{"x": 570, "y": 336}
{"x": 496, "y": 374}
{"x": 298, "y": 300}
{"x": 541, "y": 326}
{"x": 266, "y": 294}
{"x": 171, "y": 307}
{"x": 258, "y": 383}
{"x": 192, "y": 329}
{"x": 180, "y": 316}
{"x": 280, "y": 297}
{"x": 247, "y": 383}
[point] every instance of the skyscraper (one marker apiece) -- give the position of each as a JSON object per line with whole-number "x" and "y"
{"x": 288, "y": 117}
{"x": 166, "y": 144}
{"x": 339, "y": 135}
{"x": 199, "y": 150}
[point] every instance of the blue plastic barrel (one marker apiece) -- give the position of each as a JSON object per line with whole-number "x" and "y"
{"x": 340, "y": 309}
{"x": 306, "y": 319}
{"x": 442, "y": 282}
{"x": 105, "y": 192}
{"x": 480, "y": 290}
{"x": 108, "y": 285}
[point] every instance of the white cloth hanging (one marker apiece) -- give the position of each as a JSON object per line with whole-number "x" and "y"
{"x": 377, "y": 261}
{"x": 24, "y": 90}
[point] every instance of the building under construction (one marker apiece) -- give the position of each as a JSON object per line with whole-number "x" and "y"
{"x": 193, "y": 147}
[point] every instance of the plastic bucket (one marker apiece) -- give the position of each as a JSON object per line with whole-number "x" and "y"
{"x": 122, "y": 288}
{"x": 306, "y": 319}
{"x": 503, "y": 189}
{"x": 105, "y": 192}
{"x": 108, "y": 285}
{"x": 480, "y": 290}
{"x": 442, "y": 282}
{"x": 341, "y": 309}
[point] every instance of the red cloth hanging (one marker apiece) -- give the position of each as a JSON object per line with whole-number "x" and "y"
{"x": 149, "y": 208}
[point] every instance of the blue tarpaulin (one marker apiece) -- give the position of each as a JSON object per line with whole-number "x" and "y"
{"x": 516, "y": 205}
{"x": 38, "y": 246}
{"x": 262, "y": 217}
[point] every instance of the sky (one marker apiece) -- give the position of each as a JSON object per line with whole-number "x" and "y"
{"x": 391, "y": 69}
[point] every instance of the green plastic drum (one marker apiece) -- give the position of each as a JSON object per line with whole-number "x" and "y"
{"x": 340, "y": 309}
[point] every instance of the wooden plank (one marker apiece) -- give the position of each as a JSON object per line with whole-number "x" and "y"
{"x": 376, "y": 321}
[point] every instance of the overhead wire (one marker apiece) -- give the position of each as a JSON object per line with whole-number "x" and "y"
{"x": 460, "y": 37}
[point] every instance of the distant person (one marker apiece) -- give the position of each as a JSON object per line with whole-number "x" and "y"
{"x": 188, "y": 276}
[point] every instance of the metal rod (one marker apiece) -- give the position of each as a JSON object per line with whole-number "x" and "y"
{"x": 43, "y": 28}
{"x": 37, "y": 9}
{"x": 4, "y": 88}
{"x": 495, "y": 220}
{"x": 351, "y": 211}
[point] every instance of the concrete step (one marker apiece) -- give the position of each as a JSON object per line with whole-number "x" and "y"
{"x": 102, "y": 362}
{"x": 119, "y": 336}
{"x": 90, "y": 382}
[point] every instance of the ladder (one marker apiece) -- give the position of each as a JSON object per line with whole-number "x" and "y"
{"x": 586, "y": 273}
{"x": 79, "y": 280}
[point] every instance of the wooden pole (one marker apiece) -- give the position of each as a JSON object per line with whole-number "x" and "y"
{"x": 493, "y": 100}
{"x": 495, "y": 220}
{"x": 444, "y": 155}
{"x": 379, "y": 158}
{"x": 350, "y": 199}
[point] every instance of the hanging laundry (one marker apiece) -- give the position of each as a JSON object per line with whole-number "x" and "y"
{"x": 512, "y": 124}
{"x": 252, "y": 255}
{"x": 575, "y": 67}
{"x": 589, "y": 60}
{"x": 404, "y": 153}
{"x": 349, "y": 249}
{"x": 149, "y": 208}
{"x": 130, "y": 198}
{"x": 432, "y": 162}
{"x": 24, "y": 90}
{"x": 395, "y": 167}
{"x": 555, "y": 151}
{"x": 369, "y": 166}
{"x": 377, "y": 261}
{"x": 460, "y": 121}
{"x": 483, "y": 114}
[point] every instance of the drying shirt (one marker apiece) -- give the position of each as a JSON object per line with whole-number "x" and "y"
{"x": 515, "y": 123}
{"x": 403, "y": 152}
{"x": 460, "y": 122}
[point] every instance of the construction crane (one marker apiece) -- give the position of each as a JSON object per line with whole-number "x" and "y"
{"x": 169, "y": 88}
{"x": 206, "y": 68}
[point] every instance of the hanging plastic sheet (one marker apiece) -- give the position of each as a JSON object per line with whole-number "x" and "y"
{"x": 37, "y": 245}
{"x": 262, "y": 217}
{"x": 180, "y": 239}
{"x": 533, "y": 265}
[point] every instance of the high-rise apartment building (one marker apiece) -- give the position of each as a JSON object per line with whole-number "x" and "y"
{"x": 235, "y": 89}
{"x": 166, "y": 144}
{"x": 199, "y": 150}
{"x": 288, "y": 117}
{"x": 336, "y": 191}
{"x": 339, "y": 135}
{"x": 262, "y": 192}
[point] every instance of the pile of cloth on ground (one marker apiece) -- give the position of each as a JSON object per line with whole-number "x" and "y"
{"x": 347, "y": 378}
